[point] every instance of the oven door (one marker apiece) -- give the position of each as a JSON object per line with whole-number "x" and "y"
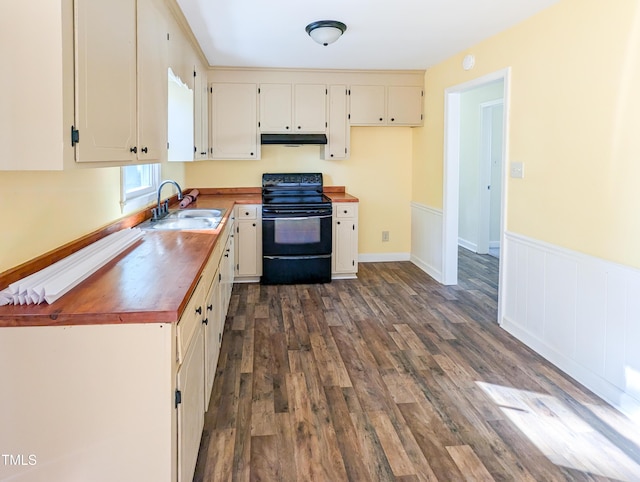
{"x": 296, "y": 232}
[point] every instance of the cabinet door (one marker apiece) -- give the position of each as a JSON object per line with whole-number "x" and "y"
{"x": 310, "y": 108}
{"x": 227, "y": 270}
{"x": 345, "y": 239}
{"x": 338, "y": 134}
{"x": 200, "y": 115}
{"x": 152, "y": 83}
{"x": 249, "y": 247}
{"x": 190, "y": 383}
{"x": 213, "y": 336}
{"x": 106, "y": 80}
{"x": 234, "y": 121}
{"x": 275, "y": 108}
{"x": 404, "y": 105}
{"x": 367, "y": 105}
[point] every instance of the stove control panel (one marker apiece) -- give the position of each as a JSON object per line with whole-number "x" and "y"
{"x": 287, "y": 180}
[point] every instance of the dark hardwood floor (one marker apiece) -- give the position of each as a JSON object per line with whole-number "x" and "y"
{"x": 395, "y": 377}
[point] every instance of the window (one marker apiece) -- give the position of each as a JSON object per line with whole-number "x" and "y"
{"x": 139, "y": 185}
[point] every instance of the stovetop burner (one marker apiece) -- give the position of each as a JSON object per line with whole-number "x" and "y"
{"x": 300, "y": 190}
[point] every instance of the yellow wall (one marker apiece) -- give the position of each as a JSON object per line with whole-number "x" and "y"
{"x": 378, "y": 173}
{"x": 46, "y": 209}
{"x": 574, "y": 123}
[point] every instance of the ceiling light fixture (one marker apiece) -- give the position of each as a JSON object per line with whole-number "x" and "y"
{"x": 325, "y": 32}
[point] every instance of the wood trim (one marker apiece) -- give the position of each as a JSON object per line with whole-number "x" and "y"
{"x": 36, "y": 264}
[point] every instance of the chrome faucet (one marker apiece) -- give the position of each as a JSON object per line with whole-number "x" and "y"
{"x": 162, "y": 209}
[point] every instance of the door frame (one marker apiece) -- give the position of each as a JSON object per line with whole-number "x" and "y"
{"x": 452, "y": 176}
{"x": 485, "y": 176}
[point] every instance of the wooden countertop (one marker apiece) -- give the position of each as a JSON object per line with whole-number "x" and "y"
{"x": 151, "y": 282}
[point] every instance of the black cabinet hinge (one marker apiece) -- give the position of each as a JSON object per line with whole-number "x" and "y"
{"x": 258, "y": 90}
{"x": 194, "y": 73}
{"x": 178, "y": 399}
{"x": 211, "y": 90}
{"x": 167, "y": 35}
{"x": 75, "y": 136}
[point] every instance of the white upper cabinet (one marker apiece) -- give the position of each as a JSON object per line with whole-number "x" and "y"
{"x": 234, "y": 121}
{"x": 381, "y": 105}
{"x": 152, "y": 51}
{"x": 337, "y": 146}
{"x": 37, "y": 99}
{"x": 201, "y": 114}
{"x": 120, "y": 114}
{"x": 367, "y": 105}
{"x": 275, "y": 108}
{"x": 288, "y": 108}
{"x": 310, "y": 108}
{"x": 106, "y": 80}
{"x": 404, "y": 105}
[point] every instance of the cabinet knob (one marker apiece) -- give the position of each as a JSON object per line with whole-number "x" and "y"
{"x": 209, "y": 307}
{"x": 345, "y": 211}
{"x": 392, "y": 119}
{"x": 287, "y": 127}
{"x": 199, "y": 310}
{"x": 253, "y": 224}
{"x": 337, "y": 222}
{"x": 205, "y": 321}
{"x": 299, "y": 127}
{"x": 134, "y": 149}
{"x": 381, "y": 119}
{"x": 331, "y": 155}
{"x": 145, "y": 149}
{"x": 251, "y": 154}
{"x": 246, "y": 213}
{"x": 204, "y": 153}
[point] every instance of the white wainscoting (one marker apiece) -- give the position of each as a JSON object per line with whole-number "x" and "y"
{"x": 579, "y": 312}
{"x": 426, "y": 239}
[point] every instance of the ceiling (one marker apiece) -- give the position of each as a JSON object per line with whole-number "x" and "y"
{"x": 403, "y": 34}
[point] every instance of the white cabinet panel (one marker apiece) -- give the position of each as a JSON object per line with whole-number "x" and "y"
{"x": 106, "y": 80}
{"x": 310, "y": 108}
{"x": 338, "y": 130}
{"x": 345, "y": 240}
{"x": 404, "y": 105}
{"x": 190, "y": 386}
{"x": 366, "y": 105}
{"x": 287, "y": 108}
{"x": 249, "y": 241}
{"x": 152, "y": 83}
{"x": 234, "y": 121}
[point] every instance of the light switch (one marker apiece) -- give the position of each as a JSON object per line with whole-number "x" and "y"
{"x": 517, "y": 170}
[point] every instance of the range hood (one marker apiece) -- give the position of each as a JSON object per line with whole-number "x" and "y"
{"x": 293, "y": 139}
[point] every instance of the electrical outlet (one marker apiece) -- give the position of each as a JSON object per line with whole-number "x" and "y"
{"x": 517, "y": 170}
{"x": 385, "y": 236}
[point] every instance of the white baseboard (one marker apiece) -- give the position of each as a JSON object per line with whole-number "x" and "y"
{"x": 473, "y": 247}
{"x": 382, "y": 257}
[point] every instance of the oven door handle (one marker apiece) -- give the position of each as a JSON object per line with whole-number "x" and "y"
{"x": 304, "y": 218}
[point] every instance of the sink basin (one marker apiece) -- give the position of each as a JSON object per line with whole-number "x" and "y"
{"x": 196, "y": 213}
{"x": 181, "y": 223}
{"x": 187, "y": 219}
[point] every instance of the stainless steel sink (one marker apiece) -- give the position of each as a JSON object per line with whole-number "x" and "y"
{"x": 186, "y": 219}
{"x": 196, "y": 213}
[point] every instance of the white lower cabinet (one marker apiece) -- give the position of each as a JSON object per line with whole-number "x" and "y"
{"x": 190, "y": 389}
{"x": 248, "y": 242}
{"x": 213, "y": 327}
{"x": 345, "y": 240}
{"x": 116, "y": 401}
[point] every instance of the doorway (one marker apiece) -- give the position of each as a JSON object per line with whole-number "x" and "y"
{"x": 452, "y": 165}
